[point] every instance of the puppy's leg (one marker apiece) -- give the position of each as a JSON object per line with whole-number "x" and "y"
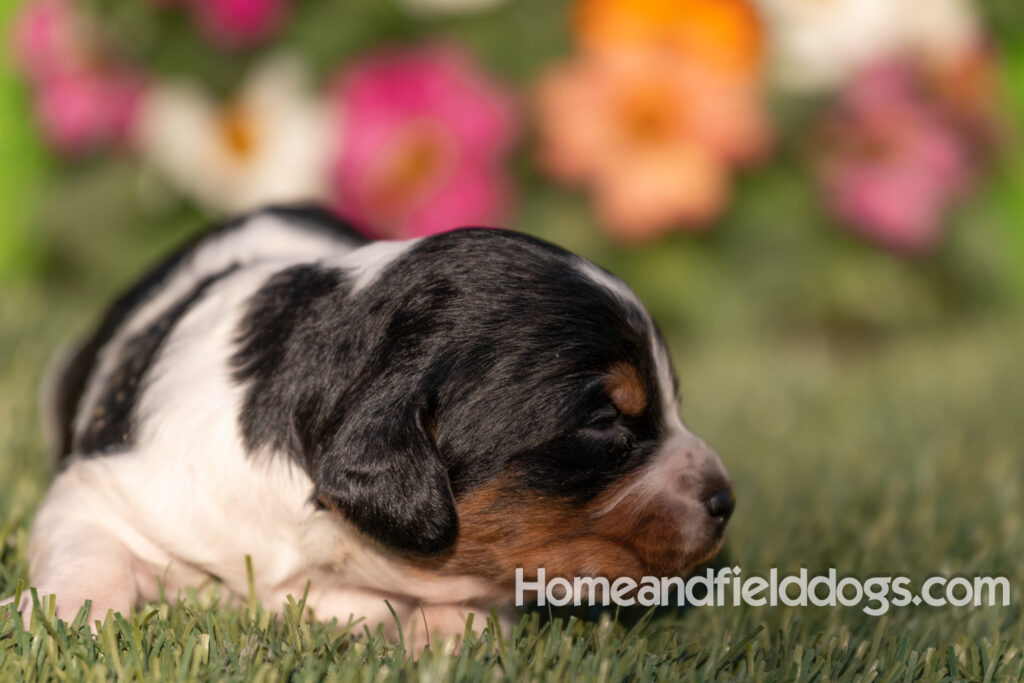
{"x": 84, "y": 564}
{"x": 444, "y": 623}
{"x": 345, "y": 604}
{"x": 74, "y": 558}
{"x": 421, "y": 624}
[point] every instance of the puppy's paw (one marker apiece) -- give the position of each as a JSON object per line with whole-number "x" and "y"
{"x": 443, "y": 626}
{"x": 65, "y": 608}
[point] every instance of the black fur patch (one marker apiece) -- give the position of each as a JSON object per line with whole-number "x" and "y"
{"x": 282, "y": 370}
{"x": 75, "y": 375}
{"x": 316, "y": 217}
{"x": 477, "y": 353}
{"x": 109, "y": 427}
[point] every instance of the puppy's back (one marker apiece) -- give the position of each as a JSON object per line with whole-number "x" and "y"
{"x": 76, "y": 377}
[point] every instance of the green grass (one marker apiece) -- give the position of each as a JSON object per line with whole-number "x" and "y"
{"x": 897, "y": 454}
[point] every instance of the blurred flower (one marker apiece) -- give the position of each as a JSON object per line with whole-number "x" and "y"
{"x": 720, "y": 33}
{"x": 81, "y": 110}
{"x": 817, "y": 44}
{"x": 969, "y": 88}
{"x": 652, "y": 135}
{"x": 46, "y": 37}
{"x": 239, "y": 23}
{"x": 83, "y": 99}
{"x": 427, "y": 136}
{"x": 449, "y": 6}
{"x": 892, "y": 160}
{"x": 663, "y": 99}
{"x": 271, "y": 143}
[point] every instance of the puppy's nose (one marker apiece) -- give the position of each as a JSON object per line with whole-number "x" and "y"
{"x": 720, "y": 505}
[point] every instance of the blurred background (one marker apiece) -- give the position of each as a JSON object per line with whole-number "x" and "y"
{"x": 821, "y": 202}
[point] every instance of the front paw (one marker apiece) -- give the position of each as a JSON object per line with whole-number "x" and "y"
{"x": 443, "y": 626}
{"x": 48, "y": 602}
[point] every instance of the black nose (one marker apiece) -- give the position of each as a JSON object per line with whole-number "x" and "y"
{"x": 720, "y": 505}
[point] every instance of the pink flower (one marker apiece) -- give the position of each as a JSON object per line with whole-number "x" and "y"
{"x": 81, "y": 110}
{"x": 45, "y": 37}
{"x": 82, "y": 98}
{"x": 893, "y": 160}
{"x": 239, "y": 23}
{"x": 426, "y": 135}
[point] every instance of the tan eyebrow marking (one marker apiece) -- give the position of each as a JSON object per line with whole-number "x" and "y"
{"x": 625, "y": 389}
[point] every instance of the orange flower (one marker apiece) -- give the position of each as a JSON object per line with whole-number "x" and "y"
{"x": 651, "y": 134}
{"x": 720, "y": 33}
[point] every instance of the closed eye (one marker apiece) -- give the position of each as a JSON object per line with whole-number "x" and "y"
{"x": 604, "y": 418}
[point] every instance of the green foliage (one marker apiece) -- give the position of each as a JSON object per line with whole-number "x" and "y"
{"x": 20, "y": 173}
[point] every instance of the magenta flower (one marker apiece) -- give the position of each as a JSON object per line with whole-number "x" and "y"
{"x": 893, "y": 161}
{"x": 239, "y": 23}
{"x": 426, "y": 136}
{"x": 81, "y": 110}
{"x": 83, "y": 99}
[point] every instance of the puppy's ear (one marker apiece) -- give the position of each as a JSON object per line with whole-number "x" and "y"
{"x": 385, "y": 476}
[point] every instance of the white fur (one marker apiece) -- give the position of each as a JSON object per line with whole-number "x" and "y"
{"x": 374, "y": 259}
{"x": 262, "y": 237}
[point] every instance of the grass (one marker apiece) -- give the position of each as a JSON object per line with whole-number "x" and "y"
{"x": 900, "y": 454}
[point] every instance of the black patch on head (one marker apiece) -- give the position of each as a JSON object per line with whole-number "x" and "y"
{"x": 300, "y": 348}
{"x": 75, "y": 375}
{"x": 477, "y": 353}
{"x": 109, "y": 428}
{"x": 269, "y": 356}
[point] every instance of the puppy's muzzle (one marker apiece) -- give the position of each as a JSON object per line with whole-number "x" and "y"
{"x": 699, "y": 486}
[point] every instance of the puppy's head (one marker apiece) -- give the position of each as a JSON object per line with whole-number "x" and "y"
{"x": 494, "y": 402}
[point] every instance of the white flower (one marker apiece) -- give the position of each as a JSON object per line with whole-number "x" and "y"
{"x": 430, "y": 7}
{"x": 817, "y": 44}
{"x": 272, "y": 142}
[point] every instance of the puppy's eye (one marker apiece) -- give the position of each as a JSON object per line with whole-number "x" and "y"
{"x": 605, "y": 418}
{"x": 606, "y": 425}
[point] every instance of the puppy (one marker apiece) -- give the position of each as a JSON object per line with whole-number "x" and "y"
{"x": 408, "y": 421}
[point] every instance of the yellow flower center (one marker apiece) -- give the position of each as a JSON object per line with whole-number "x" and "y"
{"x": 237, "y": 131}
{"x": 412, "y": 166}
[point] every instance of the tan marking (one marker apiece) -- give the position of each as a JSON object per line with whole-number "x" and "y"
{"x": 626, "y": 390}
{"x": 328, "y": 503}
{"x": 502, "y": 528}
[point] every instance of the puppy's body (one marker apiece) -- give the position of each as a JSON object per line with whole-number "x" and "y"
{"x": 400, "y": 420}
